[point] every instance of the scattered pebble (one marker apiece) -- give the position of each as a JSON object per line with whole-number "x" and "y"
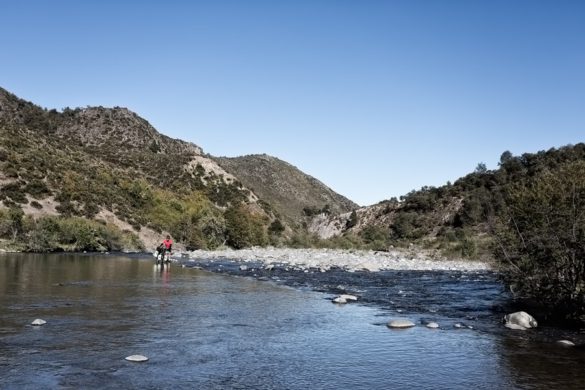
{"x": 38, "y": 322}
{"x": 325, "y": 259}
{"x": 137, "y": 358}
{"x": 432, "y": 325}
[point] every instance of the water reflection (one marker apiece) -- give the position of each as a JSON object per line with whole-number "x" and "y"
{"x": 533, "y": 363}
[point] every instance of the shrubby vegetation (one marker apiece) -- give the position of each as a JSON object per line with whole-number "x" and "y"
{"x": 312, "y": 211}
{"x": 52, "y": 233}
{"x": 110, "y": 159}
{"x": 244, "y": 229}
{"x": 541, "y": 239}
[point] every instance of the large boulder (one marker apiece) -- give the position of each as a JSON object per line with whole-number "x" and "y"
{"x": 519, "y": 321}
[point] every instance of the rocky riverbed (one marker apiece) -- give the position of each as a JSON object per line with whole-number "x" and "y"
{"x": 456, "y": 294}
{"x": 348, "y": 260}
{"x": 402, "y": 282}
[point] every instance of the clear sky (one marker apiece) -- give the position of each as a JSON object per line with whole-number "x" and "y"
{"x": 373, "y": 98}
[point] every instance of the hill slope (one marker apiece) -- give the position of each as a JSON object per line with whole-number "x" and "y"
{"x": 113, "y": 166}
{"x": 458, "y": 219}
{"x": 292, "y": 193}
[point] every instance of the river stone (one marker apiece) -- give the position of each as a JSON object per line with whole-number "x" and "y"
{"x": 566, "y": 343}
{"x": 432, "y": 325}
{"x": 38, "y": 322}
{"x": 137, "y": 358}
{"x": 348, "y": 297}
{"x": 339, "y": 300}
{"x": 243, "y": 267}
{"x": 400, "y": 324}
{"x": 520, "y": 320}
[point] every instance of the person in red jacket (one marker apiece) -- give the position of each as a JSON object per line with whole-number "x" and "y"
{"x": 165, "y": 249}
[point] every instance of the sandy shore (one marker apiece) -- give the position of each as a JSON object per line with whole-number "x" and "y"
{"x": 351, "y": 260}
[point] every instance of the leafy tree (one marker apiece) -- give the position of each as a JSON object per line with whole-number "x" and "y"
{"x": 352, "y": 221}
{"x": 481, "y": 168}
{"x": 243, "y": 229}
{"x": 12, "y": 222}
{"x": 375, "y": 237}
{"x": 276, "y": 227}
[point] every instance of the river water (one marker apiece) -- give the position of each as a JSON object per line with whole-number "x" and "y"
{"x": 277, "y": 330}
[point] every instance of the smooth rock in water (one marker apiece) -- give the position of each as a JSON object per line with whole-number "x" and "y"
{"x": 243, "y": 268}
{"x": 400, "y": 324}
{"x": 38, "y": 322}
{"x": 339, "y": 300}
{"x": 520, "y": 320}
{"x": 566, "y": 343}
{"x": 458, "y": 326}
{"x": 433, "y": 325}
{"x": 348, "y": 297}
{"x": 137, "y": 358}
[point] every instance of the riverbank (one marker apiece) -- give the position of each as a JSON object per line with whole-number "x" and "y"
{"x": 349, "y": 260}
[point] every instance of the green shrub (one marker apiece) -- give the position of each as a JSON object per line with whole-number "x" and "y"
{"x": 352, "y": 221}
{"x": 244, "y": 229}
{"x": 11, "y": 223}
{"x": 541, "y": 239}
{"x": 37, "y": 189}
{"x": 14, "y": 191}
{"x": 276, "y": 227}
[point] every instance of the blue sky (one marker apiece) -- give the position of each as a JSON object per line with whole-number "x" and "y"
{"x": 374, "y": 98}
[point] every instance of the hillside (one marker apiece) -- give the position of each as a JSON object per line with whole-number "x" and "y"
{"x": 111, "y": 166}
{"x": 107, "y": 174}
{"x": 456, "y": 219}
{"x": 292, "y": 193}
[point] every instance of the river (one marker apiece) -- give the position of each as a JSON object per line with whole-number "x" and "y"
{"x": 259, "y": 330}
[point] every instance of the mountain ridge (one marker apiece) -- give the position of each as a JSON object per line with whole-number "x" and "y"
{"x": 287, "y": 188}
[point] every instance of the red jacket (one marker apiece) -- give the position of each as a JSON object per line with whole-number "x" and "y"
{"x": 168, "y": 244}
